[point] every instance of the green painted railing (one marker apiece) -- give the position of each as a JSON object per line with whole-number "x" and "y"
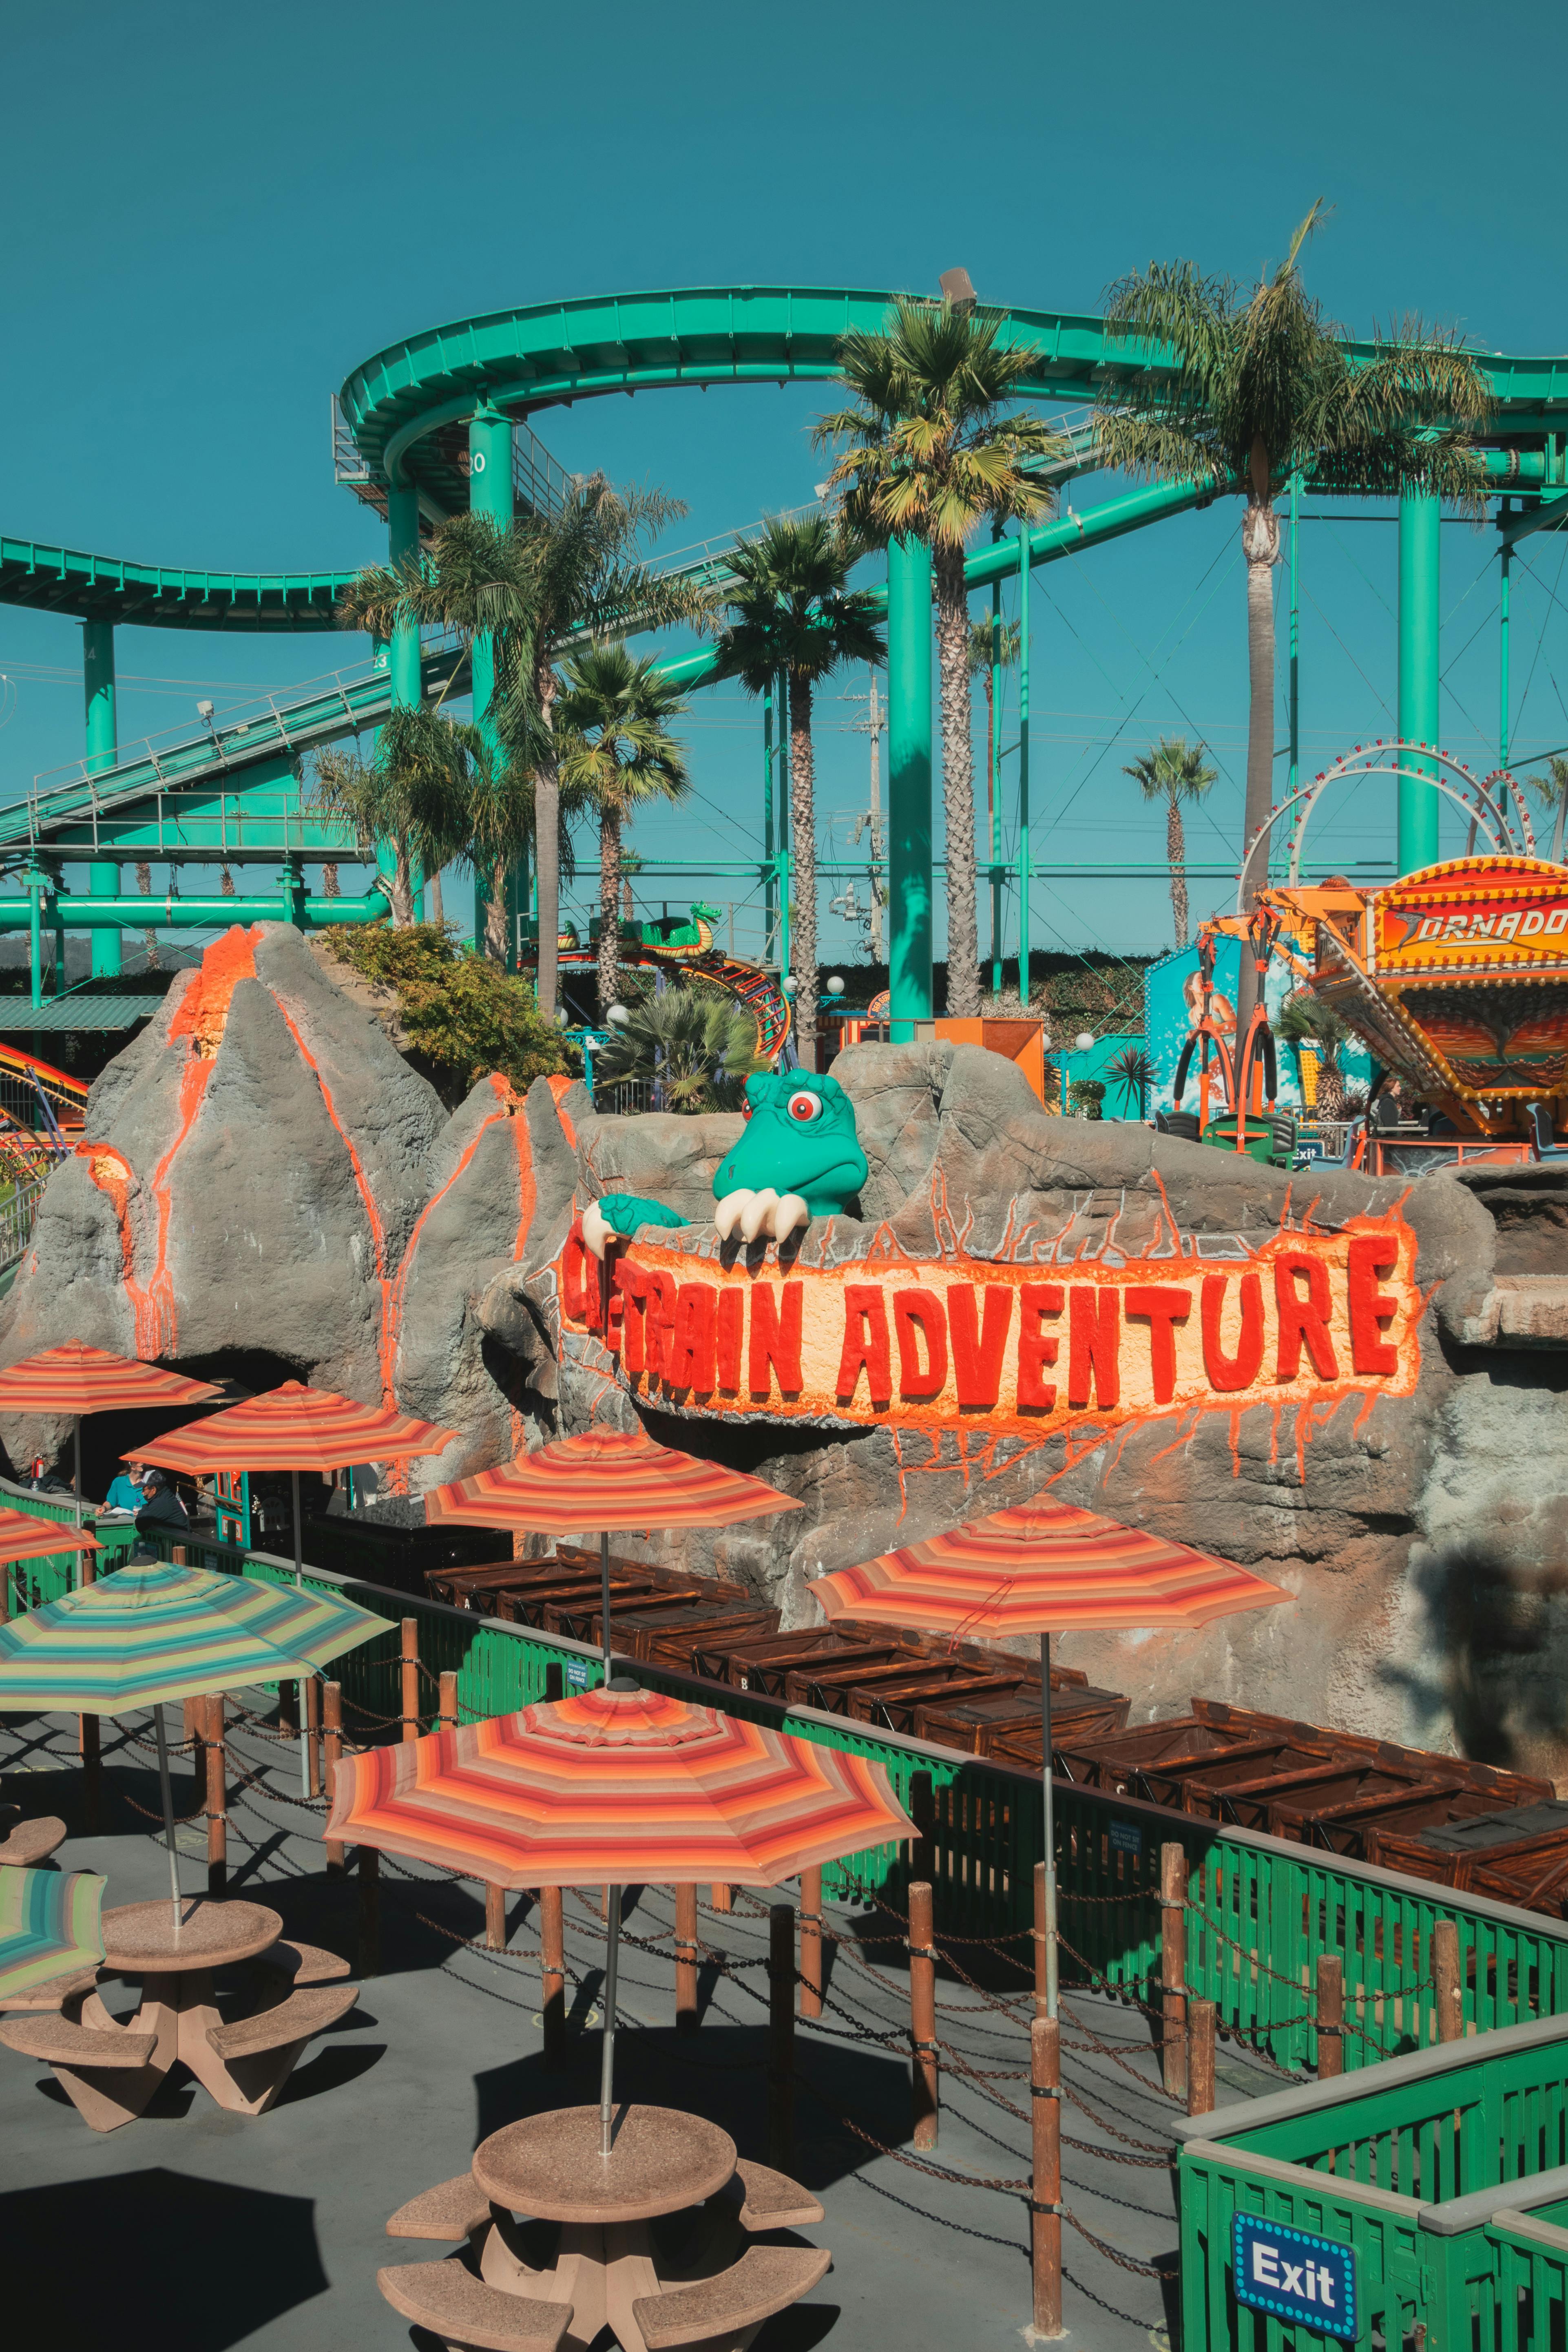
{"x": 28, "y": 1583}
{"x": 1445, "y": 2172}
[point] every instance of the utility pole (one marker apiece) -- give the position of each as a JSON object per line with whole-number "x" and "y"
{"x": 873, "y": 724}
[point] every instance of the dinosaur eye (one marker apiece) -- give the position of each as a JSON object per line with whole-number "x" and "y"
{"x": 804, "y": 1108}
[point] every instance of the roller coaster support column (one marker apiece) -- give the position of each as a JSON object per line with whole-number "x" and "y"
{"x": 908, "y": 787}
{"x": 770, "y": 881}
{"x": 1420, "y": 578}
{"x": 1295, "y": 632}
{"x": 98, "y": 683}
{"x": 489, "y": 493}
{"x": 1504, "y": 583}
{"x": 401, "y": 542}
{"x": 994, "y": 762}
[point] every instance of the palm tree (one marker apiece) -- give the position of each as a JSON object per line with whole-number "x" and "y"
{"x": 413, "y": 792}
{"x": 699, "y": 1048}
{"x": 613, "y": 745}
{"x": 1173, "y": 773}
{"x": 533, "y": 585}
{"x": 1255, "y": 386}
{"x": 927, "y": 456}
{"x": 985, "y": 660}
{"x": 792, "y": 609}
{"x": 1552, "y": 792}
{"x": 1305, "y": 1020}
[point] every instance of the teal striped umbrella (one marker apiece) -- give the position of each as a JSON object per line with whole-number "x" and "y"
{"x": 154, "y": 1633}
{"x": 49, "y": 1925}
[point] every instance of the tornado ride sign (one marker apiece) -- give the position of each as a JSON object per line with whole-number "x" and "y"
{"x": 1309, "y": 1317}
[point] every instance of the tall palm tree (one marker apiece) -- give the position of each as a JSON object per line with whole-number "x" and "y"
{"x": 613, "y": 744}
{"x": 1173, "y": 773}
{"x": 1257, "y": 385}
{"x": 792, "y": 609}
{"x": 927, "y": 455}
{"x": 1552, "y": 790}
{"x": 412, "y": 791}
{"x": 533, "y": 586}
{"x": 990, "y": 649}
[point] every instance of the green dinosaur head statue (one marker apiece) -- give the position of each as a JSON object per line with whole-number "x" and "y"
{"x": 800, "y": 1139}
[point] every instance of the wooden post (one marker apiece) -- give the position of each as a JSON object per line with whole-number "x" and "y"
{"x": 313, "y": 1734}
{"x": 553, "y": 1955}
{"x": 495, "y": 1918}
{"x": 780, "y": 2035}
{"x": 1330, "y": 2015}
{"x": 811, "y": 1941}
{"x": 217, "y": 1800}
{"x": 686, "y": 1959}
{"x": 332, "y": 1719}
{"x": 1045, "y": 2218}
{"x": 1200, "y": 2057}
{"x": 1041, "y": 1963}
{"x": 923, "y": 1812}
{"x": 1445, "y": 1981}
{"x": 177, "y": 1556}
{"x": 411, "y": 1678}
{"x": 1173, "y": 1967}
{"x": 448, "y": 1712}
{"x": 922, "y": 2016}
{"x": 369, "y": 1911}
{"x": 720, "y": 1898}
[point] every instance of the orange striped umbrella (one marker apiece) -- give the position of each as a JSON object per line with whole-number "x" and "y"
{"x": 24, "y": 1536}
{"x": 604, "y": 1479}
{"x": 1043, "y": 1567}
{"x": 614, "y": 1788}
{"x": 75, "y": 1380}
{"x": 296, "y": 1428}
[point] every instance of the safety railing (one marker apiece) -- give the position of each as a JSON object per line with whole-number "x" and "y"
{"x": 1260, "y": 1911}
{"x": 1444, "y": 2176}
{"x": 18, "y": 1215}
{"x": 28, "y": 1583}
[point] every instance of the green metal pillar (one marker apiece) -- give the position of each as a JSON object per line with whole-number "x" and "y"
{"x": 1502, "y": 661}
{"x": 490, "y": 493}
{"x": 994, "y": 760}
{"x": 908, "y": 787}
{"x": 401, "y": 542}
{"x": 1419, "y": 580}
{"x": 783, "y": 863}
{"x": 1024, "y": 852}
{"x": 98, "y": 689}
{"x": 37, "y": 883}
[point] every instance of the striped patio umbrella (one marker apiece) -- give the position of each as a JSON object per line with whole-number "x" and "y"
{"x": 49, "y": 1925}
{"x": 74, "y": 1379}
{"x": 28, "y": 1535}
{"x": 1043, "y": 1567}
{"x": 612, "y": 1787}
{"x": 606, "y": 1479}
{"x": 154, "y": 1634}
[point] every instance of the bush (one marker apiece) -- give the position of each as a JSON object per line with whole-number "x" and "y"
{"x": 696, "y": 1043}
{"x": 461, "y": 1014}
{"x": 1087, "y": 1097}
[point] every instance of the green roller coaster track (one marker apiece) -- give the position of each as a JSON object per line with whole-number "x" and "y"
{"x": 440, "y": 421}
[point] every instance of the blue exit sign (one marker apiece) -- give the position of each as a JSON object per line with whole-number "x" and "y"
{"x": 1294, "y": 2276}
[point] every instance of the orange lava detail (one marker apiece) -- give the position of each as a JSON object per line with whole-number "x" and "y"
{"x": 203, "y": 1011}
{"x": 558, "y": 1086}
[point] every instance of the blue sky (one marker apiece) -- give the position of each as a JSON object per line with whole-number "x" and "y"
{"x": 214, "y": 214}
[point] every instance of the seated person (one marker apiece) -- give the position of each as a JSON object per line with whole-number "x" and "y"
{"x": 125, "y": 1491}
{"x": 161, "y": 1505}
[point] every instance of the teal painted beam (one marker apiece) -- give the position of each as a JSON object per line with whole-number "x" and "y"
{"x": 1420, "y": 540}
{"x": 70, "y": 912}
{"x": 490, "y": 494}
{"x": 908, "y": 787}
{"x": 402, "y": 544}
{"x": 101, "y": 751}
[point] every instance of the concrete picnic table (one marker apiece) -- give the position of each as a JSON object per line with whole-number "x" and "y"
{"x": 605, "y": 2271}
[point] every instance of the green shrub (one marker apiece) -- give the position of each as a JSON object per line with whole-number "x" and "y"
{"x": 1087, "y": 1097}
{"x": 461, "y": 1014}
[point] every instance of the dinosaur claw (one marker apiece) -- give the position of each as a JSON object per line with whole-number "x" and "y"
{"x": 729, "y": 1209}
{"x": 757, "y": 1212}
{"x": 595, "y": 1231}
{"x": 790, "y": 1213}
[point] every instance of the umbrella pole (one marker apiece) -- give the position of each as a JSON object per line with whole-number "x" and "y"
{"x": 607, "y": 2059}
{"x": 299, "y": 1579}
{"x": 75, "y": 1471}
{"x": 168, "y": 1814}
{"x": 605, "y": 1597}
{"x": 1050, "y": 1826}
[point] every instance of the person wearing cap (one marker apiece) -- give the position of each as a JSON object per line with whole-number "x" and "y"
{"x": 161, "y": 1505}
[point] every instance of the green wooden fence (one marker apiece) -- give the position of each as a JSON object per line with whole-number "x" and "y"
{"x": 1260, "y": 1910}
{"x": 1445, "y": 2172}
{"x": 28, "y": 1583}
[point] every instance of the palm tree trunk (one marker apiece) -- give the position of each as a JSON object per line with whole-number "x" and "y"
{"x": 496, "y": 941}
{"x": 547, "y": 852}
{"x": 957, "y": 781}
{"x": 1176, "y": 852}
{"x": 1260, "y": 546}
{"x": 1331, "y": 1102}
{"x": 399, "y": 888}
{"x": 803, "y": 846}
{"x": 329, "y": 885}
{"x": 144, "y": 883}
{"x": 1557, "y": 828}
{"x": 437, "y": 908}
{"x": 609, "y": 904}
